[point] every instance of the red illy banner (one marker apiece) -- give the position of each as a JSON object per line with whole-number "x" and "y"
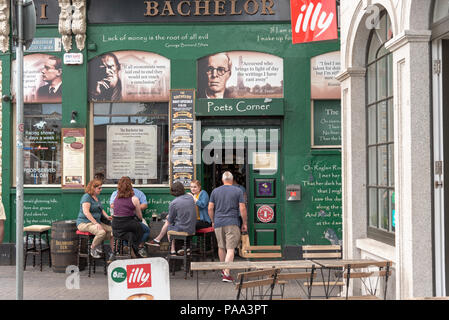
{"x": 313, "y": 20}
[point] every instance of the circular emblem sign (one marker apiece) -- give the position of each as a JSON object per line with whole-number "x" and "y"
{"x": 118, "y": 275}
{"x": 265, "y": 214}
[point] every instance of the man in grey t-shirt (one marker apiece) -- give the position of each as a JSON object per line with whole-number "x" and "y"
{"x": 181, "y": 213}
{"x": 226, "y": 204}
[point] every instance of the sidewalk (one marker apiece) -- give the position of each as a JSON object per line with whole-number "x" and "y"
{"x": 48, "y": 285}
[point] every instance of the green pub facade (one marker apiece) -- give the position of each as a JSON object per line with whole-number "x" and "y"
{"x": 137, "y": 96}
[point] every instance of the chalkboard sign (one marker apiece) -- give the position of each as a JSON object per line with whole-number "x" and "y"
{"x": 326, "y": 124}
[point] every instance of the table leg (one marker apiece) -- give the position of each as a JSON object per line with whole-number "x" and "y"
{"x": 197, "y": 287}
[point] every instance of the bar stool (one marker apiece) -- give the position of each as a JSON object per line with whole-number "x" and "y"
{"x": 84, "y": 244}
{"x": 186, "y": 246}
{"x": 39, "y": 231}
{"x": 119, "y": 248}
{"x": 202, "y": 235}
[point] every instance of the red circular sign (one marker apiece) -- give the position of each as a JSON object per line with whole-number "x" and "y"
{"x": 265, "y": 214}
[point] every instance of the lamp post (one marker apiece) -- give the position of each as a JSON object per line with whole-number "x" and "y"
{"x": 24, "y": 26}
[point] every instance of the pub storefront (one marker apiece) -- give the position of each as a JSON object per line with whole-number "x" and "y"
{"x": 165, "y": 91}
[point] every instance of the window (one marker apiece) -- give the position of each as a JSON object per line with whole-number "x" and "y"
{"x": 131, "y": 139}
{"x": 380, "y": 134}
{"x": 41, "y": 144}
{"x": 441, "y": 10}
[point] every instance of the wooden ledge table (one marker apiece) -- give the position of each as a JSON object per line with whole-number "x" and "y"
{"x": 250, "y": 265}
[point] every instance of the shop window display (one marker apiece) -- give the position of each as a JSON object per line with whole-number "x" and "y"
{"x": 131, "y": 139}
{"x": 42, "y": 144}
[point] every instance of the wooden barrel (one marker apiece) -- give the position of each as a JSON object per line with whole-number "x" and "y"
{"x": 64, "y": 245}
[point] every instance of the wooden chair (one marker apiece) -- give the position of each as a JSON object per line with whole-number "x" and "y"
{"x": 321, "y": 251}
{"x": 298, "y": 277}
{"x": 324, "y": 252}
{"x": 247, "y": 251}
{"x": 252, "y": 280}
{"x": 370, "y": 275}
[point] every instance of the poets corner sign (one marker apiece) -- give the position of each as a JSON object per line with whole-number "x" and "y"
{"x": 239, "y": 107}
{"x": 313, "y": 20}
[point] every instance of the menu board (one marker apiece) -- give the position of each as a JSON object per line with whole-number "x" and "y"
{"x": 326, "y": 124}
{"x": 181, "y": 135}
{"x": 74, "y": 157}
{"x": 132, "y": 151}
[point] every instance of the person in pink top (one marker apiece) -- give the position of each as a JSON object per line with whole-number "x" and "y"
{"x": 128, "y": 216}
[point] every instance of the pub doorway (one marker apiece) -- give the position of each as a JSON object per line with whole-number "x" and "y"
{"x": 255, "y": 163}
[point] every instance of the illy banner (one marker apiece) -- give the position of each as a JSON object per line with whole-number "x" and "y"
{"x": 139, "y": 279}
{"x": 313, "y": 20}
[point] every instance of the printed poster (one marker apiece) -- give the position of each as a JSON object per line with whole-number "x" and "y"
{"x": 74, "y": 156}
{"x": 240, "y": 74}
{"x": 182, "y": 109}
{"x": 42, "y": 78}
{"x": 129, "y": 76}
{"x": 323, "y": 69}
{"x": 132, "y": 151}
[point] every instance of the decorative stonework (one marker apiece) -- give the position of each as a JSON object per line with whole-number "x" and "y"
{"x": 79, "y": 23}
{"x": 4, "y": 25}
{"x": 65, "y": 23}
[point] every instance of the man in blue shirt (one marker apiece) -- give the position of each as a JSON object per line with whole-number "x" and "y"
{"x": 226, "y": 205}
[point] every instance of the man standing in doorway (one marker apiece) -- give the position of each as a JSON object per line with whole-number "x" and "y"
{"x": 226, "y": 204}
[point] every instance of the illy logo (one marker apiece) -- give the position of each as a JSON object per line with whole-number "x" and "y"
{"x": 138, "y": 276}
{"x": 313, "y": 20}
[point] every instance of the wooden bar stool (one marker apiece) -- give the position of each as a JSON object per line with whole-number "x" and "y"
{"x": 37, "y": 249}
{"x": 119, "y": 248}
{"x": 202, "y": 237}
{"x": 186, "y": 246}
{"x": 84, "y": 244}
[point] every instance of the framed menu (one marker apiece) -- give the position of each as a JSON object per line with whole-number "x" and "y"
{"x": 73, "y": 158}
{"x": 181, "y": 117}
{"x": 132, "y": 151}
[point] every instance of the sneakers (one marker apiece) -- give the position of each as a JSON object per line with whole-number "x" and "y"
{"x": 94, "y": 252}
{"x": 111, "y": 257}
{"x": 181, "y": 252}
{"x": 227, "y": 278}
{"x": 153, "y": 242}
{"x": 142, "y": 252}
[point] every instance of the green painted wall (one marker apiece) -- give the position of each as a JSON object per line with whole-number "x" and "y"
{"x": 181, "y": 43}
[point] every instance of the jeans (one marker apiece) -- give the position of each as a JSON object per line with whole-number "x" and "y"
{"x": 146, "y": 232}
{"x": 145, "y": 236}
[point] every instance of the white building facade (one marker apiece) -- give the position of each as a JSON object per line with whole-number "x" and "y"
{"x": 395, "y": 90}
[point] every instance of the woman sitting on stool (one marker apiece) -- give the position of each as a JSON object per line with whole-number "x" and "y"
{"x": 201, "y": 199}
{"x": 89, "y": 217}
{"x": 128, "y": 216}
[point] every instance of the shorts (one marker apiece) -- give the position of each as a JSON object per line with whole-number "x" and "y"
{"x": 2, "y": 212}
{"x": 228, "y": 237}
